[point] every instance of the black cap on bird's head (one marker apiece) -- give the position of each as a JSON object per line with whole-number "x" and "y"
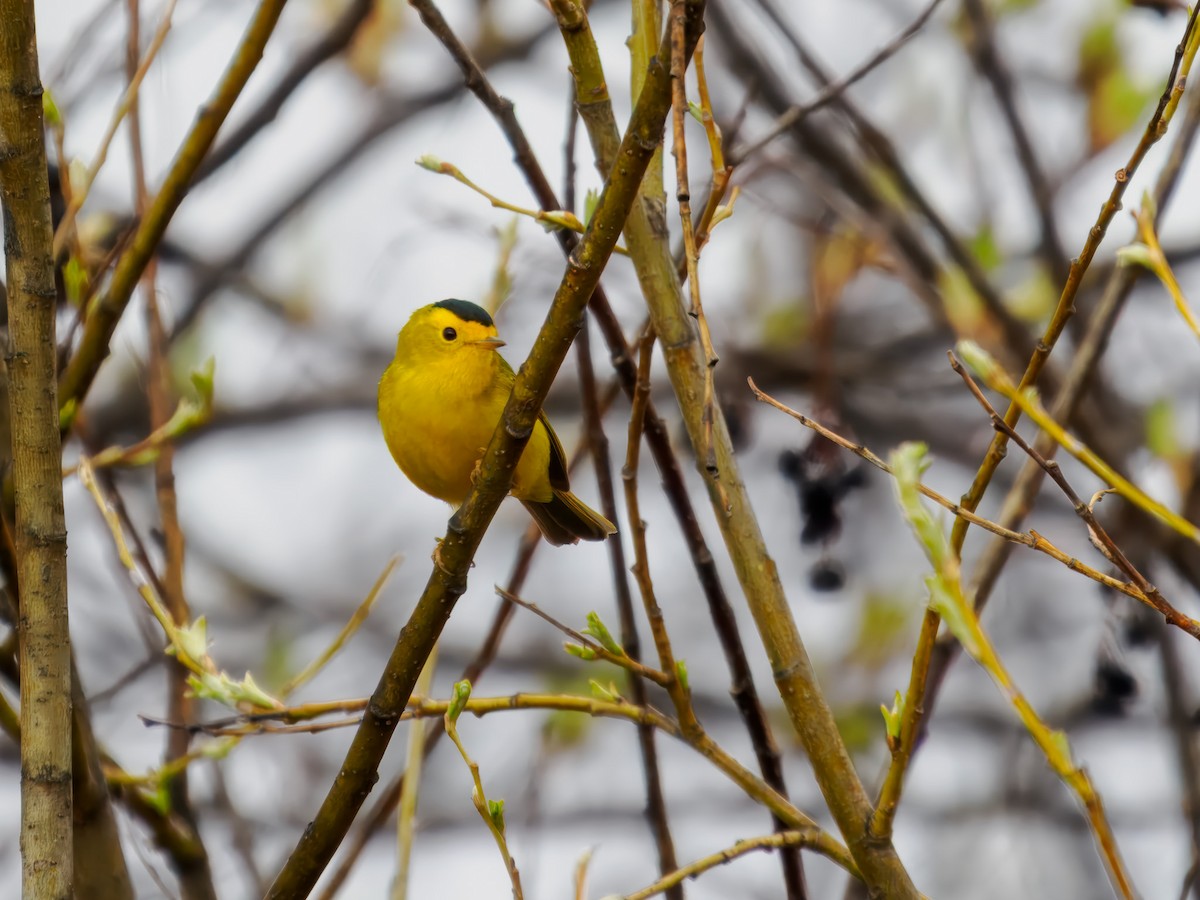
{"x": 467, "y": 311}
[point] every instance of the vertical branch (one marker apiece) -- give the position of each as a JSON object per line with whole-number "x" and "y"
{"x": 195, "y": 876}
{"x": 647, "y": 239}
{"x": 643, "y": 44}
{"x": 810, "y": 714}
{"x": 410, "y": 786}
{"x": 689, "y": 726}
{"x": 656, "y": 804}
{"x": 41, "y": 536}
{"x": 679, "y": 110}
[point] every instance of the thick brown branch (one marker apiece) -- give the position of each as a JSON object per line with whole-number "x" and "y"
{"x": 41, "y": 536}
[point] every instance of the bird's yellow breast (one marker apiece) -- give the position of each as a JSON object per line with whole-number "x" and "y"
{"x": 438, "y": 416}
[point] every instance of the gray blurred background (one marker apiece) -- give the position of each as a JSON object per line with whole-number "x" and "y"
{"x": 298, "y": 260}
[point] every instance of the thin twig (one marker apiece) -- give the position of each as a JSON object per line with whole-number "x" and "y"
{"x": 1096, "y": 531}
{"x": 106, "y": 312}
{"x": 833, "y": 90}
{"x": 128, "y": 102}
{"x": 406, "y": 812}
{"x": 348, "y": 630}
{"x": 768, "y": 842}
{"x": 676, "y": 688}
{"x": 626, "y": 661}
{"x": 1065, "y": 309}
{"x": 329, "y": 45}
{"x": 195, "y": 879}
{"x": 679, "y": 111}
{"x": 1026, "y": 401}
{"x": 1030, "y": 539}
{"x": 492, "y": 812}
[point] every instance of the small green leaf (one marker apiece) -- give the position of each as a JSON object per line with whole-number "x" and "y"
{"x": 1138, "y": 255}
{"x": 1162, "y": 431}
{"x": 75, "y": 281}
{"x": 496, "y": 813}
{"x": 578, "y": 650}
{"x": 218, "y": 749}
{"x": 202, "y": 381}
{"x": 981, "y": 362}
{"x": 557, "y": 219}
{"x": 462, "y": 693}
{"x": 187, "y": 415}
{"x": 193, "y": 639}
{"x": 985, "y": 249}
{"x": 50, "y": 109}
{"x": 696, "y": 111}
{"x": 159, "y": 799}
{"x": 247, "y": 691}
{"x": 597, "y": 629}
{"x": 589, "y": 205}
{"x": 430, "y": 162}
{"x": 209, "y": 687}
{"x": 609, "y": 694}
{"x": 893, "y": 717}
{"x": 1035, "y": 297}
{"x": 681, "y": 673}
{"x": 66, "y": 414}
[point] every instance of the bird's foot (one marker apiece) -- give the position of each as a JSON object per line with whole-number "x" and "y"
{"x": 436, "y": 556}
{"x": 477, "y": 470}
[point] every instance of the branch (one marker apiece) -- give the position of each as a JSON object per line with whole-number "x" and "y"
{"x": 105, "y": 312}
{"x": 646, "y": 237}
{"x": 950, "y": 601}
{"x": 1018, "y": 503}
{"x": 1030, "y": 539}
{"x": 778, "y": 840}
{"x": 448, "y": 580}
{"x": 41, "y": 535}
{"x": 656, "y": 804}
{"x": 591, "y": 100}
{"x": 1065, "y": 309}
{"x": 1096, "y": 531}
{"x": 333, "y": 42}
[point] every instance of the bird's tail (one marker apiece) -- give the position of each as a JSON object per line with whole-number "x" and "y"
{"x": 565, "y": 519}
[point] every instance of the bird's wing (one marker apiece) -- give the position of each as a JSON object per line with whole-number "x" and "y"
{"x": 558, "y": 459}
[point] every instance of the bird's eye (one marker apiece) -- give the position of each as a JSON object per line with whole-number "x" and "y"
{"x": 449, "y": 334}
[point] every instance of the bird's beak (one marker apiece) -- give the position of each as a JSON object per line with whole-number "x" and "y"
{"x": 490, "y": 343}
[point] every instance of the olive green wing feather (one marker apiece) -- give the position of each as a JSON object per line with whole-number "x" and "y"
{"x": 558, "y": 458}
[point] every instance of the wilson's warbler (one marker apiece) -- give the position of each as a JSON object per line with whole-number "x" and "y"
{"x": 440, "y": 400}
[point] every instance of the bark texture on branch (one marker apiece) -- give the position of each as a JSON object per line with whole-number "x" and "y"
{"x": 41, "y": 538}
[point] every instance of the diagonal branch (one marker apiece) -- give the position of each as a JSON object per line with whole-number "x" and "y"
{"x": 448, "y": 580}
{"x": 106, "y": 311}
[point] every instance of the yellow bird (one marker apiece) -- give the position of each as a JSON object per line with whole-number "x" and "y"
{"x": 440, "y": 400}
